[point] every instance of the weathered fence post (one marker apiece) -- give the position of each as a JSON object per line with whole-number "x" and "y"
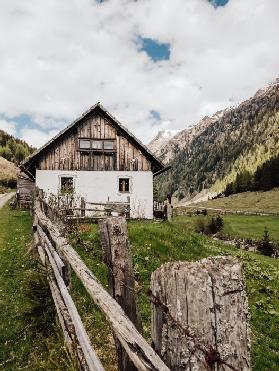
{"x": 82, "y": 206}
{"x": 118, "y": 258}
{"x": 200, "y": 315}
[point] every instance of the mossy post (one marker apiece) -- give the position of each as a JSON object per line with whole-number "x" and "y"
{"x": 118, "y": 258}
{"x": 200, "y": 315}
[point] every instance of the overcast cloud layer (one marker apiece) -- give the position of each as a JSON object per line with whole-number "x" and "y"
{"x": 58, "y": 58}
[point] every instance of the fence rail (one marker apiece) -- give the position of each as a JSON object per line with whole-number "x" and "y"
{"x": 55, "y": 251}
{"x": 199, "y": 309}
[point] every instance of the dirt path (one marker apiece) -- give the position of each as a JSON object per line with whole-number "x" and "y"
{"x": 5, "y": 197}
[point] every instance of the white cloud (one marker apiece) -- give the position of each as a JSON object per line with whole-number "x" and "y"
{"x": 59, "y": 58}
{"x": 8, "y": 126}
{"x": 36, "y": 137}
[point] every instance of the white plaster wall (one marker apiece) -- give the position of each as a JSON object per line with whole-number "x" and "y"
{"x": 102, "y": 186}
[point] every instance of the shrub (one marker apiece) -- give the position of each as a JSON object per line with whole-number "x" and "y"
{"x": 265, "y": 246}
{"x": 200, "y": 225}
{"x": 209, "y": 226}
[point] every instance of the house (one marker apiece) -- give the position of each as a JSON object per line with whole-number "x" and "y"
{"x": 98, "y": 159}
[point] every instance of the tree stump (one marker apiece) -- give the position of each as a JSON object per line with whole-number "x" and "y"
{"x": 200, "y": 315}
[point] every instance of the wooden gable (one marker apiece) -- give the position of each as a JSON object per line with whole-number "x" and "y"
{"x": 65, "y": 152}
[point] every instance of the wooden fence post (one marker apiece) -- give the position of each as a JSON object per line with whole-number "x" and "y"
{"x": 118, "y": 258}
{"x": 200, "y": 315}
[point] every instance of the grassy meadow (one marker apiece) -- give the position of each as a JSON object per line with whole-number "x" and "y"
{"x": 152, "y": 245}
{"x": 29, "y": 339}
{"x": 239, "y": 226}
{"x": 262, "y": 202}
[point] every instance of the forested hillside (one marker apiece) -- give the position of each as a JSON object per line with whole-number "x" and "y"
{"x": 13, "y": 149}
{"x": 241, "y": 139}
{"x": 12, "y": 152}
{"x": 265, "y": 178}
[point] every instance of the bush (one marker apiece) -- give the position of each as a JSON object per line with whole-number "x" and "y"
{"x": 200, "y": 225}
{"x": 265, "y": 246}
{"x": 209, "y": 226}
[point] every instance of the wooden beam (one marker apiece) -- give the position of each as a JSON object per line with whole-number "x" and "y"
{"x": 91, "y": 358}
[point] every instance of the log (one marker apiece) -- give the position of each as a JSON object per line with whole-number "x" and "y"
{"x": 91, "y": 358}
{"x": 58, "y": 261}
{"x": 200, "y": 315}
{"x": 118, "y": 258}
{"x": 141, "y": 353}
{"x": 64, "y": 318}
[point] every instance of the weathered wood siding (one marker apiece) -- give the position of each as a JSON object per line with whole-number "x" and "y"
{"x": 66, "y": 155}
{"x": 25, "y": 190}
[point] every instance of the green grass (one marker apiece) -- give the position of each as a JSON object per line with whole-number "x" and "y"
{"x": 154, "y": 244}
{"x": 22, "y": 346}
{"x": 262, "y": 202}
{"x": 242, "y": 226}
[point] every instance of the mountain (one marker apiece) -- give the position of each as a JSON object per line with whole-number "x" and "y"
{"x": 209, "y": 155}
{"x": 170, "y": 142}
{"x": 13, "y": 149}
{"x": 162, "y": 138}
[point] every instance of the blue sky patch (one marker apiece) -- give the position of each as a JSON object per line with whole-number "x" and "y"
{"x": 155, "y": 50}
{"x": 217, "y": 3}
{"x": 155, "y": 114}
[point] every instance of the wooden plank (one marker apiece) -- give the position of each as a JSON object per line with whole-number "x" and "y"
{"x": 58, "y": 261}
{"x": 204, "y": 305}
{"x": 143, "y": 356}
{"x": 118, "y": 258}
{"x": 92, "y": 359}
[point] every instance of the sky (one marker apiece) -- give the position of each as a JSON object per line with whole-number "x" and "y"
{"x": 154, "y": 64}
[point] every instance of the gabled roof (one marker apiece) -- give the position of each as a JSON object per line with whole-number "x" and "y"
{"x": 96, "y": 108}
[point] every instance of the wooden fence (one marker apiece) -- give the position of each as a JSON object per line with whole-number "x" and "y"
{"x": 199, "y": 310}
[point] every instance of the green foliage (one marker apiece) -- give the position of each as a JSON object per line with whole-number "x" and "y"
{"x": 39, "y": 307}
{"x": 265, "y": 246}
{"x": 13, "y": 149}
{"x": 25, "y": 343}
{"x": 265, "y": 178}
{"x": 210, "y": 225}
{"x": 154, "y": 244}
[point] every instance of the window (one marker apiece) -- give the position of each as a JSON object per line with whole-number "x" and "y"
{"x": 108, "y": 144}
{"x": 66, "y": 184}
{"x": 84, "y": 144}
{"x": 124, "y": 185}
{"x": 97, "y": 144}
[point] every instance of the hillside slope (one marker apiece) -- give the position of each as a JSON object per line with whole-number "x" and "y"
{"x": 210, "y": 154}
{"x": 258, "y": 202}
{"x": 8, "y": 174}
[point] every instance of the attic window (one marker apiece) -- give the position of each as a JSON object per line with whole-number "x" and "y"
{"x": 108, "y": 144}
{"x": 84, "y": 144}
{"x": 66, "y": 184}
{"x": 97, "y": 144}
{"x": 124, "y": 185}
